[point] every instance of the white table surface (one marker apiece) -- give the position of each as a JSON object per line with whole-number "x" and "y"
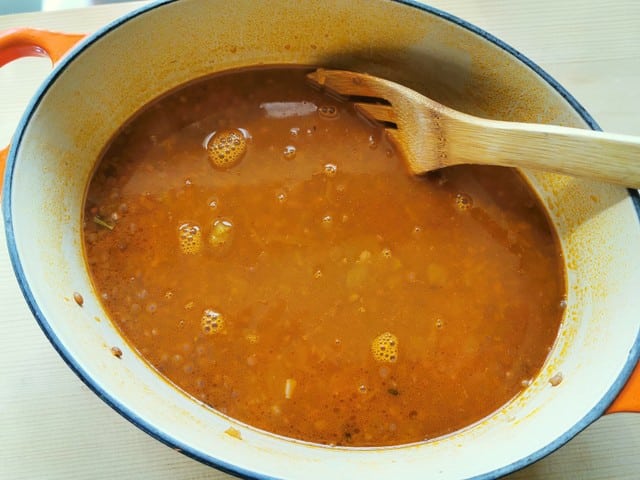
{"x": 54, "y": 427}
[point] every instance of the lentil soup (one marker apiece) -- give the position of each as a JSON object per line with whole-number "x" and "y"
{"x": 266, "y": 250}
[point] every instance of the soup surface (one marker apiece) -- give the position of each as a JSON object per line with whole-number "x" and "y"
{"x": 266, "y": 250}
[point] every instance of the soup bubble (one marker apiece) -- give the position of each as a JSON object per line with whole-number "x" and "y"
{"x": 385, "y": 348}
{"x": 190, "y": 237}
{"x": 226, "y": 148}
{"x": 289, "y": 152}
{"x": 221, "y": 234}
{"x": 330, "y": 170}
{"x": 212, "y": 322}
{"x": 281, "y": 197}
{"x": 327, "y": 221}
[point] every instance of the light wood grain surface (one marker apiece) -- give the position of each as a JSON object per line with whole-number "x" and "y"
{"x": 53, "y": 427}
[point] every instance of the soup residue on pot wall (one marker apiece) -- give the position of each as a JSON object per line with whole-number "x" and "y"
{"x": 265, "y": 249}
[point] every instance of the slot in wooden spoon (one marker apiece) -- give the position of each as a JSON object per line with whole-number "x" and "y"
{"x": 431, "y": 135}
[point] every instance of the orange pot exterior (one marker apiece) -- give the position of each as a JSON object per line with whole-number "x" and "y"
{"x": 28, "y": 42}
{"x": 3, "y": 161}
{"x": 629, "y": 398}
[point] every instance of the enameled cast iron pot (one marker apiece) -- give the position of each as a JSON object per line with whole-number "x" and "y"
{"x": 111, "y": 74}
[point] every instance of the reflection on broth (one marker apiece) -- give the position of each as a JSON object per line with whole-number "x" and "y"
{"x": 266, "y": 250}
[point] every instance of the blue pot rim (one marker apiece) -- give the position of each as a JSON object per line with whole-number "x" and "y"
{"x": 596, "y": 412}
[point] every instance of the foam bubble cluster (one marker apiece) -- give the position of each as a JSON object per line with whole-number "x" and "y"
{"x": 212, "y": 322}
{"x": 464, "y": 201}
{"x": 226, "y": 148}
{"x": 385, "y": 348}
{"x": 328, "y": 111}
{"x": 190, "y": 237}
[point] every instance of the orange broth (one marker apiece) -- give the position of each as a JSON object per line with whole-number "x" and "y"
{"x": 299, "y": 279}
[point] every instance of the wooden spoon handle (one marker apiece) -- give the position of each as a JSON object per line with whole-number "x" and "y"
{"x": 602, "y": 156}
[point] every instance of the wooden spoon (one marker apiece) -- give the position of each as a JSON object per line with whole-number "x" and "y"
{"x": 432, "y": 136}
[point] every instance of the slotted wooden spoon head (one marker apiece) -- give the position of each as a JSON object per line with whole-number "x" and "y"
{"x": 431, "y": 136}
{"x": 413, "y": 122}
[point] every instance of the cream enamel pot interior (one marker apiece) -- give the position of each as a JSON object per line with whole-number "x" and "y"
{"x": 111, "y": 74}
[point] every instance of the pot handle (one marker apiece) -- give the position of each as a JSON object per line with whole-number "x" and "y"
{"x": 628, "y": 399}
{"x": 28, "y": 42}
